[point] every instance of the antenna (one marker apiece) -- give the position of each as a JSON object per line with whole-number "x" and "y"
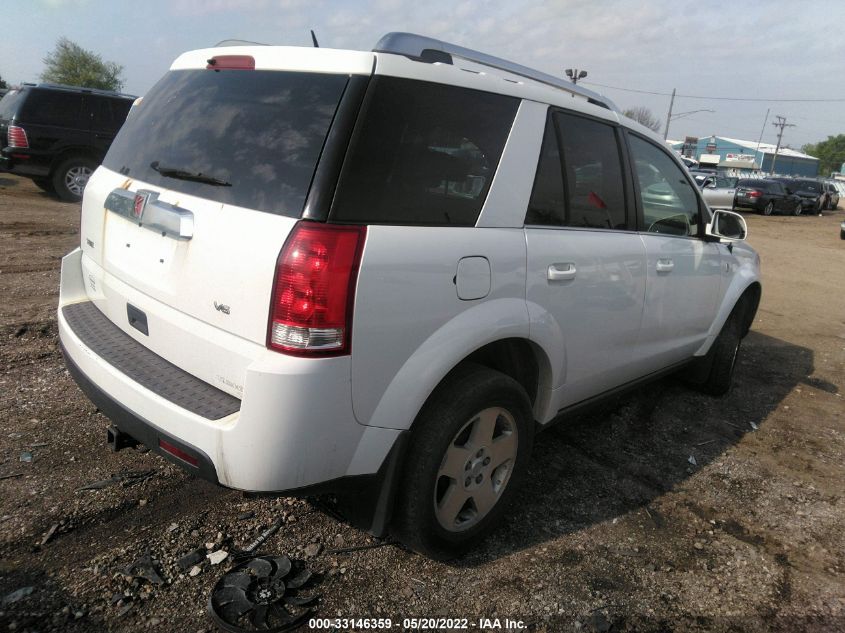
{"x": 314, "y": 39}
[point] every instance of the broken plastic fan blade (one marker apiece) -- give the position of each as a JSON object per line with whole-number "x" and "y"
{"x": 300, "y": 579}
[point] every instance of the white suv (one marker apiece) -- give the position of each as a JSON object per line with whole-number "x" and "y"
{"x": 380, "y": 274}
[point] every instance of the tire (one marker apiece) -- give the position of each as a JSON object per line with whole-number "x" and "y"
{"x": 770, "y": 206}
{"x": 798, "y": 209}
{"x": 721, "y": 359}
{"x": 71, "y": 176}
{"x": 45, "y": 184}
{"x": 474, "y": 400}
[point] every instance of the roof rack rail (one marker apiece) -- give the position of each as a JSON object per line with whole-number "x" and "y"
{"x": 430, "y": 50}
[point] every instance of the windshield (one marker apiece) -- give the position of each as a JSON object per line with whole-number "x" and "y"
{"x": 260, "y": 132}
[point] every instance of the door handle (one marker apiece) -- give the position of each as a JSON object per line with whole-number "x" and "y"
{"x": 561, "y": 272}
{"x": 665, "y": 265}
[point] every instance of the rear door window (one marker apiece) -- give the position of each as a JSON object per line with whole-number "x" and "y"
{"x": 108, "y": 114}
{"x": 582, "y": 186}
{"x": 259, "y": 133}
{"x": 422, "y": 153}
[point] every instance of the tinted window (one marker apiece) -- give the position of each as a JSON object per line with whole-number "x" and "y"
{"x": 9, "y": 103}
{"x": 725, "y": 183}
{"x": 546, "y": 203}
{"x": 584, "y": 188}
{"x": 108, "y": 114}
{"x": 669, "y": 203}
{"x": 53, "y": 107}
{"x": 260, "y": 131}
{"x": 808, "y": 185}
{"x": 594, "y": 187}
{"x": 422, "y": 153}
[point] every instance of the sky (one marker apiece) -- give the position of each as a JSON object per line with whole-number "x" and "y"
{"x": 767, "y": 50}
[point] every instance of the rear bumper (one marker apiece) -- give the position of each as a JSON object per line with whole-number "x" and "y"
{"x": 34, "y": 166}
{"x": 295, "y": 428}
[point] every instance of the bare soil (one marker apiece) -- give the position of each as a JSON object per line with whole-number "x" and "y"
{"x": 617, "y": 529}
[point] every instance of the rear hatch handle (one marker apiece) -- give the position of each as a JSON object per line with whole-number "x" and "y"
{"x": 144, "y": 207}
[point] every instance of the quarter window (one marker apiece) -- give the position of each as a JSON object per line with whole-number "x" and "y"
{"x": 422, "y": 153}
{"x": 669, "y": 204}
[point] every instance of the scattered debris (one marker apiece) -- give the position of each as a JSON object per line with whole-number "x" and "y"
{"x": 243, "y": 516}
{"x": 16, "y": 595}
{"x": 258, "y": 542}
{"x": 125, "y": 479}
{"x": 39, "y": 445}
{"x": 190, "y": 559}
{"x": 358, "y": 548}
{"x": 215, "y": 558}
{"x": 705, "y": 443}
{"x": 195, "y": 571}
{"x": 143, "y": 568}
{"x": 49, "y": 535}
{"x": 26, "y": 456}
{"x": 261, "y": 594}
{"x": 754, "y": 425}
{"x": 692, "y": 461}
{"x": 313, "y": 550}
{"x": 11, "y": 475}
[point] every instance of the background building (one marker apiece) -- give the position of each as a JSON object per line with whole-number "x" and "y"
{"x": 746, "y": 156}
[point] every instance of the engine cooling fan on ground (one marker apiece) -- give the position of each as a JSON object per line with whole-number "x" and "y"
{"x": 262, "y": 594}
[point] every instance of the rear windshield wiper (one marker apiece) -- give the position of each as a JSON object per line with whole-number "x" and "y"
{"x": 183, "y": 174}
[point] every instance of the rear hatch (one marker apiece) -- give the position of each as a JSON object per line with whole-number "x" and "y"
{"x": 207, "y": 177}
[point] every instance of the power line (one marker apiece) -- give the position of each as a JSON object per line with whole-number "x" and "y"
{"x": 669, "y": 94}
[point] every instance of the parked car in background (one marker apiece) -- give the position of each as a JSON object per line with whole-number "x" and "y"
{"x": 832, "y": 195}
{"x": 718, "y": 191}
{"x": 58, "y": 135}
{"x": 700, "y": 175}
{"x": 813, "y": 193}
{"x": 447, "y": 263}
{"x": 766, "y": 197}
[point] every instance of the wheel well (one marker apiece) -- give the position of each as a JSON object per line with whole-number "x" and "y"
{"x": 513, "y": 357}
{"x": 749, "y": 301}
{"x": 70, "y": 152}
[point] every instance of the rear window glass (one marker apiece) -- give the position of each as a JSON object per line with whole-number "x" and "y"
{"x": 9, "y": 103}
{"x": 423, "y": 153}
{"x": 808, "y": 185}
{"x": 260, "y": 132}
{"x": 53, "y": 107}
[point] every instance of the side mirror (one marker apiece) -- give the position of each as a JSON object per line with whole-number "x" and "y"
{"x": 727, "y": 225}
{"x": 788, "y": 190}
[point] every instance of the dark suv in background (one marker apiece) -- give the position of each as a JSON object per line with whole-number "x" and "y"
{"x": 58, "y": 135}
{"x": 766, "y": 197}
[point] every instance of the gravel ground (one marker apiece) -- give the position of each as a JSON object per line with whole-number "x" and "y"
{"x": 664, "y": 511}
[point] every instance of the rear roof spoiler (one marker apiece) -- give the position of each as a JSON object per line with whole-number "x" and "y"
{"x": 427, "y": 49}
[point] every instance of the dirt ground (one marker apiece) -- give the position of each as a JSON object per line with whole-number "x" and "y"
{"x": 665, "y": 511}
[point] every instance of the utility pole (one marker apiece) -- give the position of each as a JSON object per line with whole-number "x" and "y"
{"x": 780, "y": 123}
{"x": 669, "y": 116}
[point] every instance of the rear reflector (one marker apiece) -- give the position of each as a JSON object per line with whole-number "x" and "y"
{"x": 17, "y": 137}
{"x": 177, "y": 452}
{"x": 314, "y": 290}
{"x": 231, "y": 62}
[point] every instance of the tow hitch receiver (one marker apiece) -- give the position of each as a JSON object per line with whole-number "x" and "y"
{"x": 118, "y": 440}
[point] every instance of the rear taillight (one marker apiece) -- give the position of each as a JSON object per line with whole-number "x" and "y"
{"x": 17, "y": 137}
{"x": 314, "y": 289}
{"x": 755, "y": 194}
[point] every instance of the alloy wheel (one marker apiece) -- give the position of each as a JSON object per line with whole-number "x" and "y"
{"x": 475, "y": 469}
